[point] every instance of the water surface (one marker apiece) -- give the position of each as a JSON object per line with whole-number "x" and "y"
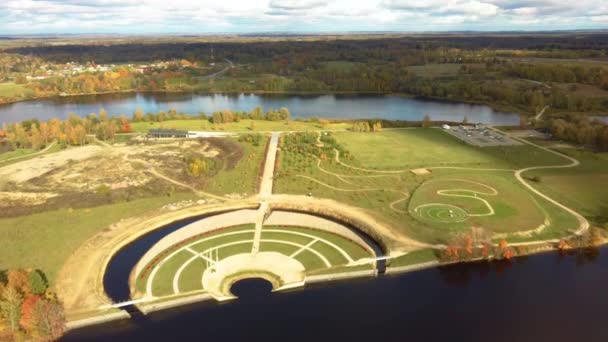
{"x": 323, "y": 106}
{"x": 549, "y": 297}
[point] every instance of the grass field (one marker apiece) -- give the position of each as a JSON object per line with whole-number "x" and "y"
{"x": 46, "y": 240}
{"x": 243, "y": 178}
{"x": 435, "y": 70}
{"x": 24, "y": 154}
{"x": 13, "y": 90}
{"x": 494, "y": 202}
{"x": 579, "y": 187}
{"x": 393, "y": 197}
{"x": 241, "y": 126}
{"x": 16, "y": 153}
{"x": 314, "y": 249}
{"x": 404, "y": 149}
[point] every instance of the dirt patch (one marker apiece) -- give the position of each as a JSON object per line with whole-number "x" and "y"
{"x": 420, "y": 172}
{"x": 29, "y": 169}
{"x": 93, "y": 175}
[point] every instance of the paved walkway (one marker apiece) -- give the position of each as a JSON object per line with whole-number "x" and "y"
{"x": 265, "y": 189}
{"x": 540, "y": 114}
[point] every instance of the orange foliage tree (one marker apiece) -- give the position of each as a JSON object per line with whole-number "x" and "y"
{"x": 27, "y": 320}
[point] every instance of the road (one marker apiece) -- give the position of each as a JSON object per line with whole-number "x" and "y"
{"x": 265, "y": 190}
{"x": 219, "y": 73}
{"x": 267, "y": 176}
{"x": 540, "y": 114}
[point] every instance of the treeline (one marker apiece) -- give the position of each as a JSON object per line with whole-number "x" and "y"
{"x": 218, "y": 117}
{"x": 14, "y": 65}
{"x": 595, "y": 76}
{"x": 29, "y": 311}
{"x": 73, "y": 131}
{"x": 579, "y": 130}
{"x": 571, "y": 45}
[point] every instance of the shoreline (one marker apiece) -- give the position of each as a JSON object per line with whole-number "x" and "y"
{"x": 163, "y": 303}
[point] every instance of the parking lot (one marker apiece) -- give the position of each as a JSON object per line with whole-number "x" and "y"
{"x": 480, "y": 136}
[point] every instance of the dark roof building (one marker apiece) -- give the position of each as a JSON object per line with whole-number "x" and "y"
{"x": 167, "y": 133}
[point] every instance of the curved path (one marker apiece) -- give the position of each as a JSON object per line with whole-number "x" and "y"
{"x": 583, "y": 223}
{"x": 31, "y": 154}
{"x": 458, "y": 193}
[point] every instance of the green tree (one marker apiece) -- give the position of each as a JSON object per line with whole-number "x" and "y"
{"x": 38, "y": 282}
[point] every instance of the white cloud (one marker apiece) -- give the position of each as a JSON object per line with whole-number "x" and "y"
{"x": 133, "y": 16}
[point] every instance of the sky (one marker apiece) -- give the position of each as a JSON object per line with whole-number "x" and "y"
{"x": 296, "y": 16}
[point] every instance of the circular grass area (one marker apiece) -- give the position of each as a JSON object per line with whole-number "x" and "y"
{"x": 443, "y": 213}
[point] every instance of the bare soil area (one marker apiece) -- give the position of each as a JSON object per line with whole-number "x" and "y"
{"x": 93, "y": 175}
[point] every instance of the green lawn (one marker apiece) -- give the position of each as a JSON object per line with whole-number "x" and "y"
{"x": 412, "y": 258}
{"x": 579, "y": 187}
{"x": 243, "y": 178}
{"x": 24, "y": 154}
{"x": 46, "y": 240}
{"x": 13, "y": 90}
{"x": 241, "y": 126}
{"x": 403, "y": 149}
{"x": 16, "y": 153}
{"x": 381, "y": 194}
{"x": 435, "y": 70}
{"x": 515, "y": 209}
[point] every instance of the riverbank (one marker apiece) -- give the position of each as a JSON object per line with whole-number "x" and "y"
{"x": 173, "y": 302}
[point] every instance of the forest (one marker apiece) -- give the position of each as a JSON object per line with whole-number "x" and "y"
{"x": 515, "y": 72}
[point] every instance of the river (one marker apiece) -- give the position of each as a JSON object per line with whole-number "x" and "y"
{"x": 323, "y": 106}
{"x": 548, "y": 297}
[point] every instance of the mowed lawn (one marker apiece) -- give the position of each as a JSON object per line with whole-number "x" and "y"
{"x": 46, "y": 240}
{"x": 241, "y": 126}
{"x": 407, "y": 148}
{"x": 401, "y": 149}
{"x": 10, "y": 90}
{"x": 243, "y": 178}
{"x": 514, "y": 208}
{"x": 580, "y": 187}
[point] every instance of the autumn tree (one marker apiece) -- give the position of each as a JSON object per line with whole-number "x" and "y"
{"x": 45, "y": 132}
{"x": 103, "y": 115}
{"x": 10, "y": 306}
{"x": 27, "y": 312}
{"x": 19, "y": 280}
{"x": 49, "y": 318}
{"x": 138, "y": 116}
{"x": 426, "y": 121}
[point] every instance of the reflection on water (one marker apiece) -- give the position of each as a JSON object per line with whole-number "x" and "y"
{"x": 549, "y": 297}
{"x": 324, "y": 106}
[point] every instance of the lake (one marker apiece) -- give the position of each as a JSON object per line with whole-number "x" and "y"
{"x": 323, "y": 106}
{"x": 548, "y": 297}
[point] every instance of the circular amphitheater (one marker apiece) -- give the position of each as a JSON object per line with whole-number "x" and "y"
{"x": 210, "y": 255}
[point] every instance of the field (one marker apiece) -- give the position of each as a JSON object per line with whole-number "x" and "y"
{"x": 50, "y": 204}
{"x": 184, "y": 268}
{"x": 12, "y": 90}
{"x": 435, "y": 70}
{"x": 578, "y": 186}
{"x": 465, "y": 188}
{"x": 45, "y": 240}
{"x": 96, "y": 175}
{"x": 241, "y": 126}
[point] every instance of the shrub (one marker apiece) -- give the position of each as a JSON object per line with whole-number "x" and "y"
{"x": 38, "y": 282}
